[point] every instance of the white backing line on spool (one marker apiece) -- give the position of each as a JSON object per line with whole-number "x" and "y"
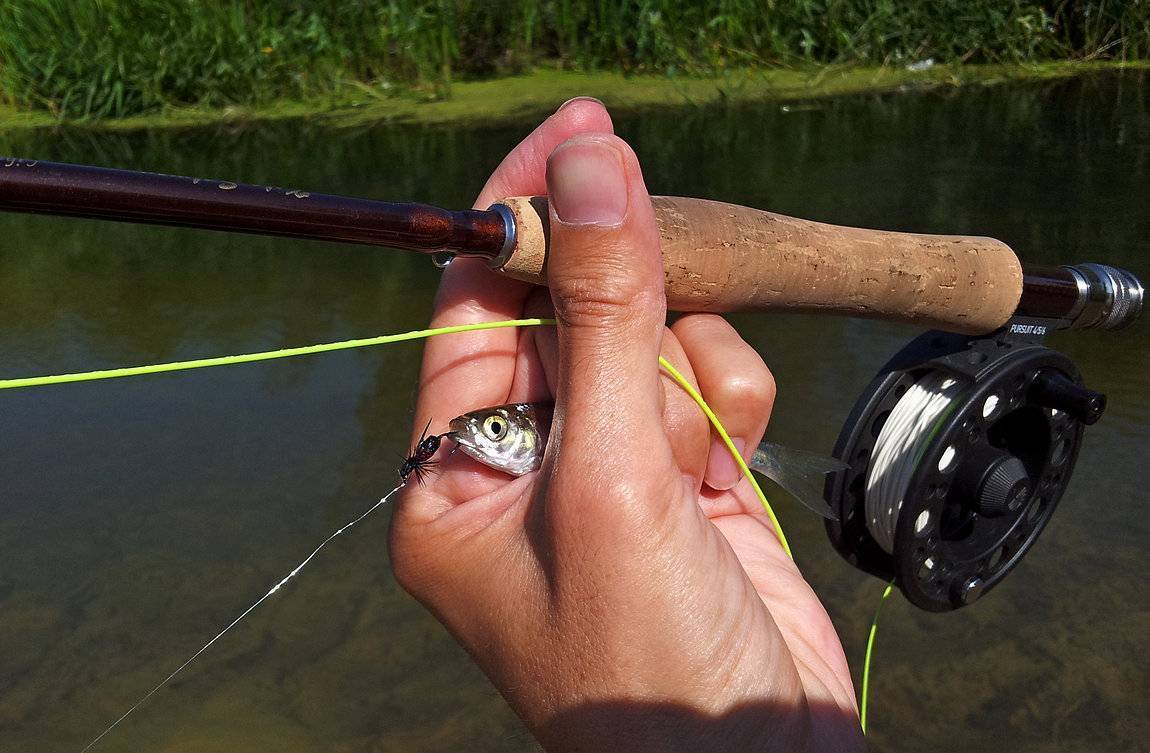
{"x": 898, "y": 450}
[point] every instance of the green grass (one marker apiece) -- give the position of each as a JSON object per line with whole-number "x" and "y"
{"x": 83, "y": 59}
{"x": 528, "y": 97}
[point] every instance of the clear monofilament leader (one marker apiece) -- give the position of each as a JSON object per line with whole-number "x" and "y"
{"x": 900, "y": 445}
{"x": 283, "y": 581}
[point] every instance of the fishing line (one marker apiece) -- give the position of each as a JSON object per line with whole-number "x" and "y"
{"x": 722, "y": 432}
{"x": 901, "y": 443}
{"x": 865, "y": 694}
{"x": 237, "y": 620}
{"x": 267, "y": 355}
{"x": 200, "y": 363}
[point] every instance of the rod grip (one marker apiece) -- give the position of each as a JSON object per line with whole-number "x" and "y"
{"x": 723, "y": 257}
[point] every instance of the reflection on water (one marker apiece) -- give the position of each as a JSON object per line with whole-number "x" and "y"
{"x": 137, "y": 516}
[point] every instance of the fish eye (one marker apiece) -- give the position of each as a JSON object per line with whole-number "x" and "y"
{"x": 495, "y": 427}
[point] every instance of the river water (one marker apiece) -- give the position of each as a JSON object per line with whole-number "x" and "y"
{"x": 138, "y": 516}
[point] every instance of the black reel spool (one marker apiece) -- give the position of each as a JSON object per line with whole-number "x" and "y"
{"x": 989, "y": 476}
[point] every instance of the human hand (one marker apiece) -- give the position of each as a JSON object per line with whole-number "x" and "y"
{"x": 631, "y": 594}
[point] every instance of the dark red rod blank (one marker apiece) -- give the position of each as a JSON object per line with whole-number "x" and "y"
{"x": 1048, "y": 292}
{"x": 101, "y": 193}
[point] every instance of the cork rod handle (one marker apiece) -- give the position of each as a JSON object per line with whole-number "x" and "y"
{"x": 722, "y": 257}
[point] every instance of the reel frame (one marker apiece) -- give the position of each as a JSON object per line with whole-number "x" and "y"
{"x": 991, "y": 475}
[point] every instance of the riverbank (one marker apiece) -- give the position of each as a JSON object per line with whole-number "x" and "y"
{"x": 539, "y": 92}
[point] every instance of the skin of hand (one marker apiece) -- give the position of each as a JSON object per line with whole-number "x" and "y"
{"x": 631, "y": 594}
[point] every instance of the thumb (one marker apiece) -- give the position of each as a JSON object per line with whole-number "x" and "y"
{"x": 605, "y": 271}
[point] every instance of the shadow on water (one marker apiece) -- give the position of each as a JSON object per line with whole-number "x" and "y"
{"x": 137, "y": 516}
{"x": 626, "y": 725}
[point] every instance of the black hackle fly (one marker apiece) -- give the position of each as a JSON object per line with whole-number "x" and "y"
{"x": 419, "y": 462}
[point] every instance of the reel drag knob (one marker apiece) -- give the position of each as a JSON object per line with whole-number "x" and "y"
{"x": 994, "y": 481}
{"x": 1007, "y": 487}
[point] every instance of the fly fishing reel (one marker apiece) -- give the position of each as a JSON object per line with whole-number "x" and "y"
{"x": 959, "y": 451}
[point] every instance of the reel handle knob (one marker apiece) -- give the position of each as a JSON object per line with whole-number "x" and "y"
{"x": 1052, "y": 389}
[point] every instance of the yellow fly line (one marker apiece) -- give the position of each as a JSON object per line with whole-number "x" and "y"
{"x": 420, "y": 334}
{"x": 722, "y": 432}
{"x": 865, "y": 694}
{"x": 269, "y": 355}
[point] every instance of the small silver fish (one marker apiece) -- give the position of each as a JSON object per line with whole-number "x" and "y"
{"x": 511, "y": 438}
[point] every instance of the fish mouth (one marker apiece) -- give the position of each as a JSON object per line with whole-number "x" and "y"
{"x": 458, "y": 433}
{"x": 464, "y": 444}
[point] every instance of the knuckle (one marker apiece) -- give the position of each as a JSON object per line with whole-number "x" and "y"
{"x": 602, "y": 291}
{"x": 703, "y": 327}
{"x": 754, "y": 389}
{"x": 606, "y": 271}
{"x": 627, "y": 493}
{"x": 637, "y": 505}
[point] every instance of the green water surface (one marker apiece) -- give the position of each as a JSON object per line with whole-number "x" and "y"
{"x": 139, "y": 516}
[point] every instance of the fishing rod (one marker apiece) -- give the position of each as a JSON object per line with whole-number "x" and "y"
{"x": 717, "y": 257}
{"x": 958, "y": 451}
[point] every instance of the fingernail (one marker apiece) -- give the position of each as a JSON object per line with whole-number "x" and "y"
{"x": 586, "y": 182}
{"x": 722, "y": 471}
{"x": 579, "y": 99}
